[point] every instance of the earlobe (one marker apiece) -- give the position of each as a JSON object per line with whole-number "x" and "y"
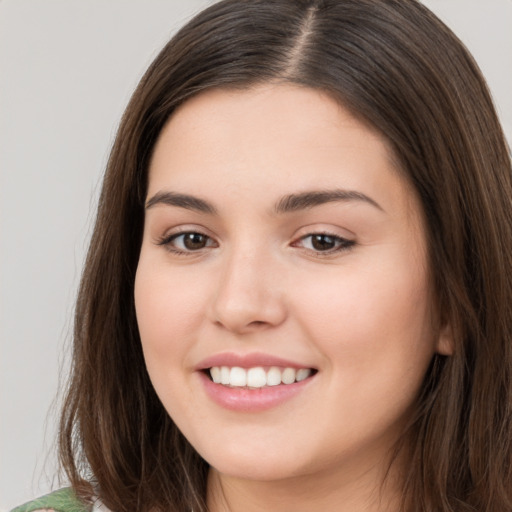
{"x": 445, "y": 345}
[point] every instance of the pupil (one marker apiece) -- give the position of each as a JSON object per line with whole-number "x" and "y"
{"x": 323, "y": 242}
{"x": 194, "y": 241}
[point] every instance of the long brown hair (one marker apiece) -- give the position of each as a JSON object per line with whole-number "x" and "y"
{"x": 395, "y": 65}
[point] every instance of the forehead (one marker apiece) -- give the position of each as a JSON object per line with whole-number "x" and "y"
{"x": 268, "y": 110}
{"x": 271, "y": 137}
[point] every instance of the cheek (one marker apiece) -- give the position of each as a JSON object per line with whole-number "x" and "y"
{"x": 169, "y": 316}
{"x": 168, "y": 308}
{"x": 373, "y": 331}
{"x": 375, "y": 320}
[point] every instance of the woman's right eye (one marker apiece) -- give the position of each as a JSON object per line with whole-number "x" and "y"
{"x": 187, "y": 242}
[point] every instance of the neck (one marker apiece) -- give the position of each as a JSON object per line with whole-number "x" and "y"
{"x": 365, "y": 491}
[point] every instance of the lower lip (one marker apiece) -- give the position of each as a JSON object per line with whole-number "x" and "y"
{"x": 251, "y": 400}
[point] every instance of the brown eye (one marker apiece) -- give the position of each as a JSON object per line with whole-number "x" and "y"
{"x": 323, "y": 242}
{"x": 194, "y": 241}
{"x": 187, "y": 242}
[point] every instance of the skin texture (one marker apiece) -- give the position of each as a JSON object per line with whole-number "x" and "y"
{"x": 360, "y": 314}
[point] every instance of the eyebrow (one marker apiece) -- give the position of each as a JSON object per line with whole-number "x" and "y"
{"x": 182, "y": 201}
{"x": 309, "y": 199}
{"x": 287, "y": 204}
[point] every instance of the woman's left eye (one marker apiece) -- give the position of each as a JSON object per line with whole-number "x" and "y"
{"x": 187, "y": 242}
{"x": 324, "y": 243}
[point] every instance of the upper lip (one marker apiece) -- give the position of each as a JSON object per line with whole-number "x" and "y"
{"x": 247, "y": 361}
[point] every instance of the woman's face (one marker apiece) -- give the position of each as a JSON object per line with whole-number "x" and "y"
{"x": 283, "y": 256}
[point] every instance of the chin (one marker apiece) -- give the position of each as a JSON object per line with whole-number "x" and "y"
{"x": 258, "y": 471}
{"x": 258, "y": 465}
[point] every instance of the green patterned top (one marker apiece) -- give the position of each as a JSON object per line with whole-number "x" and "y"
{"x": 63, "y": 500}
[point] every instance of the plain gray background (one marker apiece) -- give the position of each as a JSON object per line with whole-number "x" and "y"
{"x": 67, "y": 69}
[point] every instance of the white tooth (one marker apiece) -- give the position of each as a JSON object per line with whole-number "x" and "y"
{"x": 256, "y": 377}
{"x": 288, "y": 376}
{"x": 224, "y": 375}
{"x": 302, "y": 374}
{"x": 215, "y": 374}
{"x": 274, "y": 376}
{"x": 238, "y": 377}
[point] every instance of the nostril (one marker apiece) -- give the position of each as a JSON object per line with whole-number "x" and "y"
{"x": 257, "y": 323}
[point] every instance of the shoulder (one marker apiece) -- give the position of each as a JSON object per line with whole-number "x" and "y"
{"x": 63, "y": 500}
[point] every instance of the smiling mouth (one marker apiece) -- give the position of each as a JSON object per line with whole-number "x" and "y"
{"x": 258, "y": 376}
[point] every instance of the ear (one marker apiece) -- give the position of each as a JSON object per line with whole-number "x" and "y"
{"x": 445, "y": 344}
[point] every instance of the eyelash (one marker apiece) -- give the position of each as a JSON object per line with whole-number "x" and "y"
{"x": 341, "y": 244}
{"x": 167, "y": 241}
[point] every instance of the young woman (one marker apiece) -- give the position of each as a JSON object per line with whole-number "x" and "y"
{"x": 297, "y": 295}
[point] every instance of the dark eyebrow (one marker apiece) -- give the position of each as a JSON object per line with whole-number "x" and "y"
{"x": 309, "y": 199}
{"x": 286, "y": 204}
{"x": 182, "y": 201}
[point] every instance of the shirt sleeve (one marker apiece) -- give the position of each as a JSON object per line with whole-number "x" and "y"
{"x": 63, "y": 500}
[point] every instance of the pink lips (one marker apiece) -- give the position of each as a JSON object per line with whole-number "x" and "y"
{"x": 244, "y": 399}
{"x": 246, "y": 361}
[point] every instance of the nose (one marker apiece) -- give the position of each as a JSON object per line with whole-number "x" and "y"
{"x": 249, "y": 296}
